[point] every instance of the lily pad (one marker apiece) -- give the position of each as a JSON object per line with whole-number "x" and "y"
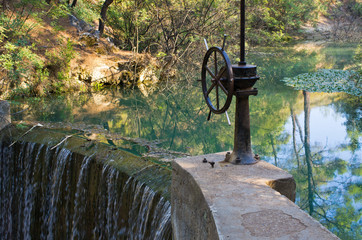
{"x": 328, "y": 80}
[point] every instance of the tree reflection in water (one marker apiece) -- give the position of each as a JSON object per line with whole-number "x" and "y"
{"x": 329, "y": 187}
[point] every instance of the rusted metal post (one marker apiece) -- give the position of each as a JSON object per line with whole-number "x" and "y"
{"x": 237, "y": 80}
{"x": 245, "y": 77}
{"x": 242, "y": 152}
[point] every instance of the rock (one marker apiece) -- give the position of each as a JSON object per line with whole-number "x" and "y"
{"x": 148, "y": 76}
{"x": 5, "y": 118}
{"x": 82, "y": 74}
{"x": 87, "y": 33}
{"x": 90, "y": 39}
{"x": 81, "y": 25}
{"x": 102, "y": 69}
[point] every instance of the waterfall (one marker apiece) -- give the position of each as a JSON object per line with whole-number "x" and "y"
{"x": 59, "y": 194}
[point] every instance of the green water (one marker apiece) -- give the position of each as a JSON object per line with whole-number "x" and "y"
{"x": 173, "y": 117}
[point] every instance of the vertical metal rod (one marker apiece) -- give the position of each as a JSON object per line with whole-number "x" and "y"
{"x": 242, "y": 33}
{"x": 217, "y": 97}
{"x": 215, "y": 63}
{"x": 207, "y": 47}
{"x": 227, "y": 117}
{"x": 223, "y": 43}
{"x": 209, "y": 116}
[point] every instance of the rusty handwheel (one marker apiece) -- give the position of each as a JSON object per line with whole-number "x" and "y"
{"x": 217, "y": 80}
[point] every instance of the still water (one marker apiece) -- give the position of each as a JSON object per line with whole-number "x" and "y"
{"x": 315, "y": 136}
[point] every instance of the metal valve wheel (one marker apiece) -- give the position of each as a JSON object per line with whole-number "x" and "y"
{"x": 217, "y": 80}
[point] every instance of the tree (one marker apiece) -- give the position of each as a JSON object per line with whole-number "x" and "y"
{"x": 4, "y": 4}
{"x": 73, "y": 3}
{"x": 103, "y": 18}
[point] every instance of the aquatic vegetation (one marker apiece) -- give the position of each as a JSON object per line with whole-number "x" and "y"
{"x": 327, "y": 80}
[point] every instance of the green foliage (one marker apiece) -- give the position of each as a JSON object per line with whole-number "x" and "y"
{"x": 15, "y": 25}
{"x": 21, "y": 126}
{"x": 24, "y": 70}
{"x": 328, "y": 80}
{"x": 129, "y": 20}
{"x": 161, "y": 54}
{"x": 167, "y": 26}
{"x": 172, "y": 26}
{"x": 58, "y": 11}
{"x": 87, "y": 10}
{"x": 358, "y": 59}
{"x": 19, "y": 62}
{"x": 345, "y": 17}
{"x": 59, "y": 65}
{"x": 97, "y": 86}
{"x": 2, "y": 34}
{"x": 353, "y": 6}
{"x": 274, "y": 21}
{"x": 59, "y": 60}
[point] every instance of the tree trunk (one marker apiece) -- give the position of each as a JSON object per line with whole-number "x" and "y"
{"x": 103, "y": 18}
{"x": 74, "y": 3}
{"x": 292, "y": 114}
{"x": 308, "y": 156}
{"x": 4, "y": 4}
{"x": 274, "y": 150}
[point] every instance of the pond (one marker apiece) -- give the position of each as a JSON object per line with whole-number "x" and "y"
{"x": 314, "y": 136}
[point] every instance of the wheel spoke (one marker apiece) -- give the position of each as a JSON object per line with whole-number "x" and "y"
{"x": 211, "y": 87}
{"x": 209, "y": 71}
{"x": 217, "y": 97}
{"x": 222, "y": 87}
{"x": 215, "y": 62}
{"x": 219, "y": 75}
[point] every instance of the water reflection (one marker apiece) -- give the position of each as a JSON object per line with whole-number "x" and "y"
{"x": 326, "y": 165}
{"x": 315, "y": 136}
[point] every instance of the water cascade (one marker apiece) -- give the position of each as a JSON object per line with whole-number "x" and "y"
{"x": 61, "y": 194}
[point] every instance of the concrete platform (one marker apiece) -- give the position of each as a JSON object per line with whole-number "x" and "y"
{"x": 237, "y": 202}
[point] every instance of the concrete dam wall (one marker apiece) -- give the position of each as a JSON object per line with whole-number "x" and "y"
{"x": 237, "y": 202}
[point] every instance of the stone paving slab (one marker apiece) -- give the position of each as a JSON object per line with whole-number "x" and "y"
{"x": 237, "y": 202}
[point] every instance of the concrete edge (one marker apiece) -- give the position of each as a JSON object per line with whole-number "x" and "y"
{"x": 245, "y": 202}
{"x": 202, "y": 224}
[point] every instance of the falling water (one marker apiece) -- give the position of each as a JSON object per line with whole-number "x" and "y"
{"x": 59, "y": 194}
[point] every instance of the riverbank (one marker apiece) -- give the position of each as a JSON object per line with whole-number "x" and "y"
{"x": 57, "y": 52}
{"x": 65, "y": 54}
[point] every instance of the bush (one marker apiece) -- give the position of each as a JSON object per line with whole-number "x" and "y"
{"x": 59, "y": 66}
{"x": 19, "y": 64}
{"x": 87, "y": 11}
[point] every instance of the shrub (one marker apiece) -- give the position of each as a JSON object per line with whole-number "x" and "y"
{"x": 19, "y": 63}
{"x": 59, "y": 65}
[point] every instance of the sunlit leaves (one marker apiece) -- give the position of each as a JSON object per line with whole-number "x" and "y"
{"x": 19, "y": 61}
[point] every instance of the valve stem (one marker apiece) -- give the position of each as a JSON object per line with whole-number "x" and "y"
{"x": 227, "y": 117}
{"x": 223, "y": 43}
{"x": 207, "y": 47}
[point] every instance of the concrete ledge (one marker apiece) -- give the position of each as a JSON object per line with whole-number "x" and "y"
{"x": 4, "y": 114}
{"x": 237, "y": 202}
